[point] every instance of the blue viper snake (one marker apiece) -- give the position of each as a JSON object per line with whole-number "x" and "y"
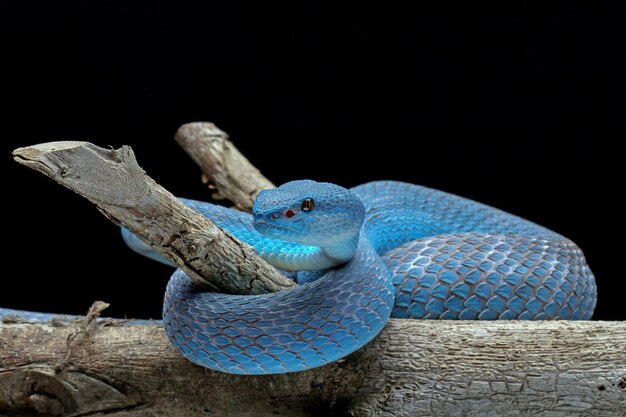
{"x": 382, "y": 249}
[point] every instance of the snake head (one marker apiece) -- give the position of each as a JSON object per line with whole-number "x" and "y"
{"x": 308, "y": 212}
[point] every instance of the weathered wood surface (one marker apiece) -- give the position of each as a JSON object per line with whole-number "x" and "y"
{"x": 114, "y": 182}
{"x": 414, "y": 368}
{"x": 224, "y": 167}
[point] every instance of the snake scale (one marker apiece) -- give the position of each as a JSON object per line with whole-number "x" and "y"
{"x": 382, "y": 249}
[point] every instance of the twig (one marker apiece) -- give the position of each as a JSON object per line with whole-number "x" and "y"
{"x": 235, "y": 178}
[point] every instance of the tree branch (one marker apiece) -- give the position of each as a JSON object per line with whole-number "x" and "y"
{"x": 414, "y": 368}
{"x": 114, "y": 182}
{"x": 235, "y": 178}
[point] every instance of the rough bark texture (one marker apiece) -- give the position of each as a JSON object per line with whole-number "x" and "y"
{"x": 114, "y": 182}
{"x": 414, "y": 368}
{"x": 235, "y": 178}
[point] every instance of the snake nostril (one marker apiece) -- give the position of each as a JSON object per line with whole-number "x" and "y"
{"x": 274, "y": 216}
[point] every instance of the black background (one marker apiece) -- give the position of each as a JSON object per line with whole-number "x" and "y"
{"x": 513, "y": 105}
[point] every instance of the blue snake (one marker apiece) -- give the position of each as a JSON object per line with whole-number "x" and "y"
{"x": 380, "y": 250}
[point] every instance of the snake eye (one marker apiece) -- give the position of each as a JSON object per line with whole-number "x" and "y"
{"x": 307, "y": 204}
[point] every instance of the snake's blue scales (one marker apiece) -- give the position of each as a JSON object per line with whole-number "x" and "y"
{"x": 393, "y": 249}
{"x": 442, "y": 257}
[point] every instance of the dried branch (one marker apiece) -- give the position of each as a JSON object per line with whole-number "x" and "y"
{"x": 235, "y": 178}
{"x": 114, "y": 182}
{"x": 414, "y": 368}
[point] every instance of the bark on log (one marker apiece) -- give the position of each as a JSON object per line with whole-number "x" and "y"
{"x": 114, "y": 182}
{"x": 414, "y": 368}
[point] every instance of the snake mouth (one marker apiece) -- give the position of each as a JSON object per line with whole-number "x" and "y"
{"x": 277, "y": 230}
{"x": 261, "y": 222}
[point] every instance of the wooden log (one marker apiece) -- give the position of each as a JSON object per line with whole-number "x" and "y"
{"x": 414, "y": 368}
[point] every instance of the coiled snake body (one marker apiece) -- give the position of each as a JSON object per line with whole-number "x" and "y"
{"x": 393, "y": 249}
{"x": 386, "y": 249}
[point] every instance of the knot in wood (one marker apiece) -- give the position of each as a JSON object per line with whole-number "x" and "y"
{"x": 34, "y": 392}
